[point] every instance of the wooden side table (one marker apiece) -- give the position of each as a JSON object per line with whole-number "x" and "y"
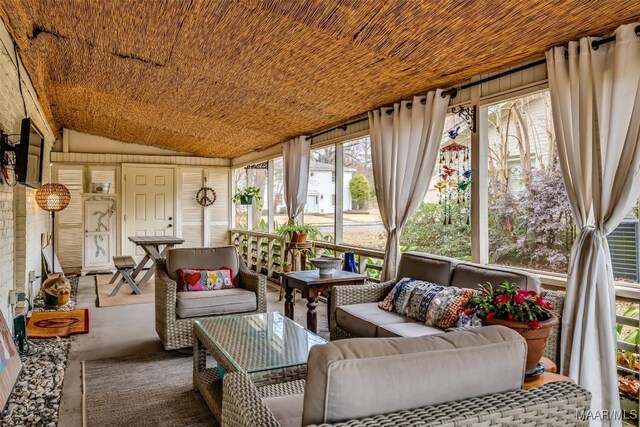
{"x": 311, "y": 284}
{"x": 548, "y": 376}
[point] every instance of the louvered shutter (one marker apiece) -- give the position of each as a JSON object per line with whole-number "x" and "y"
{"x": 219, "y": 212}
{"x": 192, "y": 212}
{"x": 69, "y": 223}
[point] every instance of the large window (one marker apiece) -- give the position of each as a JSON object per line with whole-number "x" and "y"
{"x": 361, "y": 221}
{"x": 255, "y": 215}
{"x": 441, "y": 225}
{"x": 319, "y": 210}
{"x": 530, "y": 219}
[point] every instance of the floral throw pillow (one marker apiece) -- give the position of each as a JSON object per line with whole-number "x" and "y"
{"x": 193, "y": 280}
{"x": 447, "y": 306}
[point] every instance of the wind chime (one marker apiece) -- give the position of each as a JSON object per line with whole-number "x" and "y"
{"x": 455, "y": 177}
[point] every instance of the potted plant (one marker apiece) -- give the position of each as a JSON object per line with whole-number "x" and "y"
{"x": 246, "y": 196}
{"x": 286, "y": 267}
{"x": 526, "y": 312}
{"x": 297, "y": 233}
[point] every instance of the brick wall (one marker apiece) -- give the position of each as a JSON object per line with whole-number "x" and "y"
{"x": 22, "y": 223}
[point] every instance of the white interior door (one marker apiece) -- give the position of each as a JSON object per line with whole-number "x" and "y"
{"x": 148, "y": 204}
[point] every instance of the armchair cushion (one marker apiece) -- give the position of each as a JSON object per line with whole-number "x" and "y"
{"x": 207, "y": 303}
{"x": 363, "y": 319}
{"x": 395, "y": 374}
{"x": 286, "y": 409}
{"x": 203, "y": 258}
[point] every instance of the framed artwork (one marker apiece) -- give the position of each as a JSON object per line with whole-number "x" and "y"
{"x": 10, "y": 363}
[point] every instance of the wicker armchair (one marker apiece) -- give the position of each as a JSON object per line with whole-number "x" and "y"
{"x": 176, "y": 332}
{"x": 554, "y": 404}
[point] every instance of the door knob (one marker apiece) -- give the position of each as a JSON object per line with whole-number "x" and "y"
{"x": 170, "y": 218}
{"x": 170, "y": 225}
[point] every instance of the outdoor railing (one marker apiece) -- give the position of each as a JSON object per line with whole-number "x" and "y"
{"x": 263, "y": 252}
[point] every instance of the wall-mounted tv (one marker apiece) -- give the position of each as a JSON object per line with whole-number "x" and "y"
{"x": 29, "y": 155}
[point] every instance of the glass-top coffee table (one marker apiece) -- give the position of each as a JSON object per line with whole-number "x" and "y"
{"x": 270, "y": 347}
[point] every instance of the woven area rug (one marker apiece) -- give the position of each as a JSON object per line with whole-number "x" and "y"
{"x": 124, "y": 295}
{"x": 52, "y": 324}
{"x": 150, "y": 390}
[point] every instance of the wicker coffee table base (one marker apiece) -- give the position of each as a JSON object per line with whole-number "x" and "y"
{"x": 276, "y": 382}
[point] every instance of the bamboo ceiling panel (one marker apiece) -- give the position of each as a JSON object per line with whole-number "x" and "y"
{"x": 223, "y": 78}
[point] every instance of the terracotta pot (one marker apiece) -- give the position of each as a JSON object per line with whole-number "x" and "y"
{"x": 298, "y": 237}
{"x": 536, "y": 338}
{"x": 286, "y": 268}
{"x": 56, "y": 290}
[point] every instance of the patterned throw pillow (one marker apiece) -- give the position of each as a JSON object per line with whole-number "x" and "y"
{"x": 192, "y": 280}
{"x": 446, "y": 307}
{"x": 410, "y": 297}
{"x": 421, "y": 299}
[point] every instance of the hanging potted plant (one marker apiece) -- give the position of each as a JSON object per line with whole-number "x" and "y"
{"x": 526, "y": 312}
{"x": 297, "y": 233}
{"x": 247, "y": 195}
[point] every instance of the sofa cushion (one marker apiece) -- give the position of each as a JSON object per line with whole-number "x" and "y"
{"x": 204, "y": 280}
{"x": 363, "y": 319}
{"x": 427, "y": 267}
{"x": 467, "y": 275}
{"x": 394, "y": 374}
{"x": 446, "y": 306}
{"x": 286, "y": 409}
{"x": 207, "y": 303}
{"x": 203, "y": 259}
{"x": 407, "y": 329}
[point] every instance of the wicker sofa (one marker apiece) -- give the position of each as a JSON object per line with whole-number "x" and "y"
{"x": 176, "y": 311}
{"x": 354, "y": 311}
{"x": 463, "y": 378}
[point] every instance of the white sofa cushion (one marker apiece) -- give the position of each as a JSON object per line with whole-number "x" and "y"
{"x": 207, "y": 303}
{"x": 363, "y": 320}
{"x": 407, "y": 329}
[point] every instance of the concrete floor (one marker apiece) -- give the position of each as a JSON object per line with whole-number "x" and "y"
{"x": 124, "y": 331}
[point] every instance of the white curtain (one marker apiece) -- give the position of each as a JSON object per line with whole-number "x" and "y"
{"x": 405, "y": 142}
{"x": 296, "y": 157}
{"x": 595, "y": 98}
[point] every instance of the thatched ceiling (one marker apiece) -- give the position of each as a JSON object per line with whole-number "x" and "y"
{"x": 223, "y": 78}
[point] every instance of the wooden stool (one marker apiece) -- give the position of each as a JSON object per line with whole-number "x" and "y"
{"x": 125, "y": 266}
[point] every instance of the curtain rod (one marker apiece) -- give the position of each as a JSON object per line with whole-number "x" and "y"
{"x": 341, "y": 127}
{"x": 454, "y": 91}
{"x": 594, "y": 45}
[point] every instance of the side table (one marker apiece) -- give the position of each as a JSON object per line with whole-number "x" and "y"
{"x": 311, "y": 284}
{"x": 548, "y": 376}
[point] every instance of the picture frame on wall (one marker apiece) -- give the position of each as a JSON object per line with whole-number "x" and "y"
{"x": 10, "y": 363}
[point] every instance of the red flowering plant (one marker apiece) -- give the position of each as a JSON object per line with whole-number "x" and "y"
{"x": 508, "y": 302}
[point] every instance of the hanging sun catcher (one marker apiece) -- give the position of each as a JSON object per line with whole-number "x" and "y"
{"x": 455, "y": 178}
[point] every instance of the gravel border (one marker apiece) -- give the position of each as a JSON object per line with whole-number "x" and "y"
{"x": 35, "y": 400}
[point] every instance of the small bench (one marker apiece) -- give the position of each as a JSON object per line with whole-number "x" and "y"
{"x": 124, "y": 265}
